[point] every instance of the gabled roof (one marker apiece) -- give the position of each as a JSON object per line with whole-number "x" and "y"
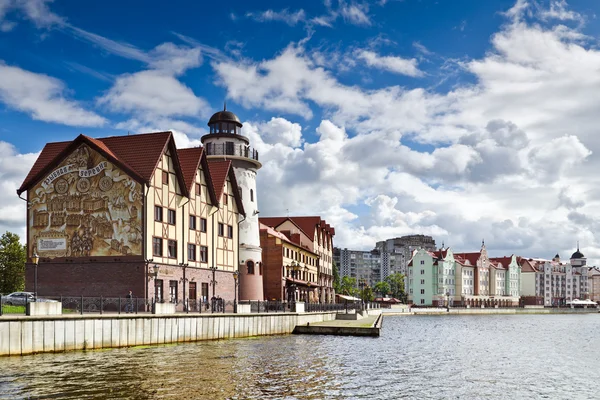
{"x": 138, "y": 155}
{"x": 273, "y": 232}
{"x": 471, "y": 257}
{"x": 54, "y": 153}
{"x": 190, "y": 160}
{"x": 220, "y": 170}
{"x": 274, "y": 222}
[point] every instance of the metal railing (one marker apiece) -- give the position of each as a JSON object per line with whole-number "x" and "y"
{"x": 224, "y": 149}
{"x": 123, "y": 305}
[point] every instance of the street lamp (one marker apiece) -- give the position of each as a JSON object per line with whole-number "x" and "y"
{"x": 235, "y": 286}
{"x": 361, "y": 284}
{"x": 447, "y": 301}
{"x": 295, "y": 268}
{"x": 35, "y": 259}
{"x": 213, "y": 283}
{"x": 183, "y": 280}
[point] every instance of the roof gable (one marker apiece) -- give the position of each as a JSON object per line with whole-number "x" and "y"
{"x": 220, "y": 170}
{"x": 138, "y": 155}
{"x": 54, "y": 153}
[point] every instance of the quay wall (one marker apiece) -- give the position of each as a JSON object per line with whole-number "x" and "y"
{"x": 49, "y": 334}
{"x": 487, "y": 311}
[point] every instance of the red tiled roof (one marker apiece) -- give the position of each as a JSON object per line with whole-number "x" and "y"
{"x": 190, "y": 161}
{"x": 220, "y": 170}
{"x": 138, "y": 155}
{"x": 471, "y": 257}
{"x": 142, "y": 152}
{"x": 308, "y": 224}
{"x": 49, "y": 152}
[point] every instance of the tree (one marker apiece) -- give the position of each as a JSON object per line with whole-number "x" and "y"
{"x": 12, "y": 263}
{"x": 367, "y": 294}
{"x": 396, "y": 282}
{"x": 336, "y": 278}
{"x": 382, "y": 288}
{"x": 348, "y": 286}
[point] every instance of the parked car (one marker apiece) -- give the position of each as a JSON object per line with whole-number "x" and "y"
{"x": 22, "y": 298}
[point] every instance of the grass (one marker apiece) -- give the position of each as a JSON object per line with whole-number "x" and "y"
{"x": 6, "y": 309}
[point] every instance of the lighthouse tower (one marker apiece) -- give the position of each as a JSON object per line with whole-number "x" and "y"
{"x": 225, "y": 141}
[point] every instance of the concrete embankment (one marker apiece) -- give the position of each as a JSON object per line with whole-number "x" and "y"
{"x": 369, "y": 325}
{"x": 27, "y": 335}
{"x": 487, "y": 311}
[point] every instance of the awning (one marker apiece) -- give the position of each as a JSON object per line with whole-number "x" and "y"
{"x": 582, "y": 302}
{"x": 349, "y": 298}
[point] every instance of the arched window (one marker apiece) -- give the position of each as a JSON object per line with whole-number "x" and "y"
{"x": 250, "y": 265}
{"x": 251, "y": 195}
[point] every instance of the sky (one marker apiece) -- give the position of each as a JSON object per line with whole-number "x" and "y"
{"x": 466, "y": 120}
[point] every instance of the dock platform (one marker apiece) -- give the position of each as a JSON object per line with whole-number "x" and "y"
{"x": 368, "y": 326}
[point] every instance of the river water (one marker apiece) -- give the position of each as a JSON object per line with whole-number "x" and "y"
{"x": 416, "y": 357}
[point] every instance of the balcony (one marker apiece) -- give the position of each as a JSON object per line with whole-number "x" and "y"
{"x": 231, "y": 149}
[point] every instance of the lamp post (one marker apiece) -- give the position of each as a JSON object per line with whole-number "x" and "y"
{"x": 295, "y": 268}
{"x": 213, "y": 283}
{"x": 361, "y": 284}
{"x": 235, "y": 286}
{"x": 448, "y": 301}
{"x": 183, "y": 280}
{"x": 35, "y": 259}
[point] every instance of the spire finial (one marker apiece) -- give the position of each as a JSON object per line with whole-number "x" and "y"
{"x": 442, "y": 245}
{"x": 482, "y": 242}
{"x": 225, "y": 105}
{"x": 578, "y": 245}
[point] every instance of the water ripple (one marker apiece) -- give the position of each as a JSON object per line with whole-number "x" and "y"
{"x": 428, "y": 357}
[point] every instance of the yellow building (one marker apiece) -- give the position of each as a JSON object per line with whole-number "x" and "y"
{"x": 122, "y": 213}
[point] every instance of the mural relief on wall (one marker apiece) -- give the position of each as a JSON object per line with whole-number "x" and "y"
{"x": 85, "y": 207}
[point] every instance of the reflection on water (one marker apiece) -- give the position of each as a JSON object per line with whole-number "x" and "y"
{"x": 435, "y": 357}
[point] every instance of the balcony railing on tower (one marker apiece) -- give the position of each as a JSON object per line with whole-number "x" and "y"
{"x": 231, "y": 149}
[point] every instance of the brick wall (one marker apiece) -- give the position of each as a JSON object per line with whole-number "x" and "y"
{"x": 272, "y": 254}
{"x": 104, "y": 276}
{"x": 108, "y": 277}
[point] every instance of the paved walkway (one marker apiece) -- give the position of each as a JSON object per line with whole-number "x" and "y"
{"x": 367, "y": 322}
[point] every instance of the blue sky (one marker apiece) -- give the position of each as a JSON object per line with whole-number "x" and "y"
{"x": 459, "y": 119}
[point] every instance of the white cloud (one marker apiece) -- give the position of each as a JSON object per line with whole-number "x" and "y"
{"x": 290, "y": 18}
{"x": 13, "y": 169}
{"x": 559, "y": 10}
{"x": 153, "y": 93}
{"x": 498, "y": 154}
{"x": 278, "y": 130}
{"x": 36, "y": 11}
{"x": 43, "y": 98}
{"x": 397, "y": 65}
{"x": 355, "y": 13}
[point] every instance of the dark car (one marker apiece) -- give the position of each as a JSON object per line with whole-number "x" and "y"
{"x": 22, "y": 298}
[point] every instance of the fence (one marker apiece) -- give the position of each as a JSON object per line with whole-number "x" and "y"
{"x": 122, "y": 305}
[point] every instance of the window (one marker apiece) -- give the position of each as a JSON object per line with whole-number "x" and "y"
{"x": 251, "y": 195}
{"x": 158, "y": 213}
{"x": 422, "y": 291}
{"x": 191, "y": 252}
{"x": 221, "y": 229}
{"x": 158, "y": 290}
{"x": 193, "y": 222}
{"x": 171, "y": 216}
{"x": 250, "y": 265}
{"x": 229, "y": 231}
{"x": 172, "y": 248}
{"x": 422, "y": 262}
{"x": 422, "y": 281}
{"x": 225, "y": 199}
{"x": 422, "y": 272}
{"x": 192, "y": 291}
{"x": 203, "y": 254}
{"x": 157, "y": 247}
{"x": 422, "y": 301}
{"x": 165, "y": 178}
{"x": 202, "y": 224}
{"x": 197, "y": 189}
{"x": 205, "y": 292}
{"x": 173, "y": 291}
